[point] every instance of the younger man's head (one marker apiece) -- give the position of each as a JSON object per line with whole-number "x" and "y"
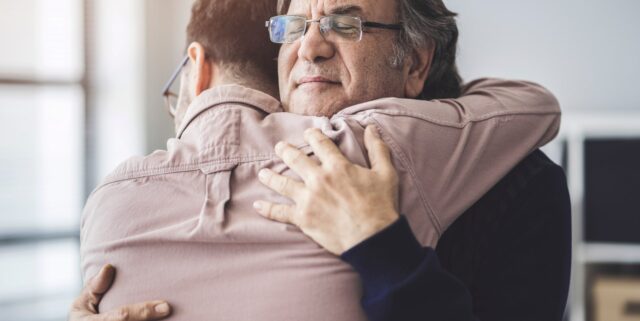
{"x": 228, "y": 44}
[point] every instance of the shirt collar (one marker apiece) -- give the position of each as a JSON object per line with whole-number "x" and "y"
{"x": 228, "y": 94}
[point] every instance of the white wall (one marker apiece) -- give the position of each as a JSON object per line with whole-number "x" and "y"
{"x": 586, "y": 51}
{"x": 166, "y": 24}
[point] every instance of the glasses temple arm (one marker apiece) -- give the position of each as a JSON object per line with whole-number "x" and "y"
{"x": 175, "y": 74}
{"x": 382, "y": 25}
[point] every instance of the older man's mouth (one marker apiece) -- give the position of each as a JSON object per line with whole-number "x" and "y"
{"x": 316, "y": 80}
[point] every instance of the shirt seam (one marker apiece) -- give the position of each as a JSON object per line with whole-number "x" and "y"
{"x": 189, "y": 167}
{"x": 229, "y": 103}
{"x": 402, "y": 157}
{"x": 462, "y": 124}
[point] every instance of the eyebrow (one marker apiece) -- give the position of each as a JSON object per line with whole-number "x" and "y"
{"x": 346, "y": 9}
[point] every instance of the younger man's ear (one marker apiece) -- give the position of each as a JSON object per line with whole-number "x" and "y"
{"x": 200, "y": 72}
{"x": 417, "y": 67}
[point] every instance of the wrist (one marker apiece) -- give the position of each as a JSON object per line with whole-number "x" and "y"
{"x": 387, "y": 257}
{"x": 375, "y": 224}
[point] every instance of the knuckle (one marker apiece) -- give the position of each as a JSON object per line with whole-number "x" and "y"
{"x": 283, "y": 184}
{"x": 269, "y": 210}
{"x": 92, "y": 298}
{"x": 122, "y": 314}
{"x": 280, "y": 211}
{"x": 295, "y": 156}
{"x": 322, "y": 178}
{"x": 144, "y": 313}
{"x": 88, "y": 302}
{"x": 275, "y": 211}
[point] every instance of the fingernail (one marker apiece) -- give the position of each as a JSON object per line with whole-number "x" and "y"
{"x": 107, "y": 267}
{"x": 263, "y": 174}
{"x": 162, "y": 308}
{"x": 257, "y": 205}
{"x": 102, "y": 273}
{"x": 279, "y": 146}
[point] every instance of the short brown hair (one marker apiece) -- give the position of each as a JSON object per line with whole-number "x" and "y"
{"x": 233, "y": 32}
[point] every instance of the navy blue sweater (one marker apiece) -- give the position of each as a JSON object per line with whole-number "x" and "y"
{"x": 506, "y": 258}
{"x": 403, "y": 281}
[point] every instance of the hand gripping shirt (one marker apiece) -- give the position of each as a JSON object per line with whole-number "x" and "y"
{"x": 179, "y": 224}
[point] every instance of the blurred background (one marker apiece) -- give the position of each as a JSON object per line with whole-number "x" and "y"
{"x": 80, "y": 91}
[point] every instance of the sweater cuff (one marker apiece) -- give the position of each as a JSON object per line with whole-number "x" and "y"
{"x": 387, "y": 258}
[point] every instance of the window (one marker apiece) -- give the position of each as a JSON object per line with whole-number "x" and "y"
{"x": 42, "y": 172}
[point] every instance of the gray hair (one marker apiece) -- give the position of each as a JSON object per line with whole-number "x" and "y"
{"x": 428, "y": 23}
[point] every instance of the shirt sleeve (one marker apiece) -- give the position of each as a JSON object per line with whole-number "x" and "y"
{"x": 455, "y": 150}
{"x": 403, "y": 281}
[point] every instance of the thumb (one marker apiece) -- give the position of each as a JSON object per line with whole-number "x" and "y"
{"x": 100, "y": 283}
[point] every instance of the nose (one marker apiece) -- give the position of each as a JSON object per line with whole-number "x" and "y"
{"x": 314, "y": 47}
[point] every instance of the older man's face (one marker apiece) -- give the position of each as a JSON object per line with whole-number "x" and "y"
{"x": 320, "y": 77}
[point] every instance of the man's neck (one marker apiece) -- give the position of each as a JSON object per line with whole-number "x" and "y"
{"x": 260, "y": 83}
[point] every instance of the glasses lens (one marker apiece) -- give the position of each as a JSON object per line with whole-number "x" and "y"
{"x": 171, "y": 103}
{"x": 171, "y": 97}
{"x": 343, "y": 28}
{"x": 286, "y": 29}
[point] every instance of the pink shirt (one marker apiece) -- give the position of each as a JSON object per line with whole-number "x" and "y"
{"x": 180, "y": 226}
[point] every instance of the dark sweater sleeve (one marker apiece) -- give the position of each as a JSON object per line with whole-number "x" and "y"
{"x": 402, "y": 281}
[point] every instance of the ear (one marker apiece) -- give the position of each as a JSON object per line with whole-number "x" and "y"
{"x": 417, "y": 68}
{"x": 201, "y": 69}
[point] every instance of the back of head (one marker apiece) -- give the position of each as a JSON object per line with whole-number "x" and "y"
{"x": 233, "y": 34}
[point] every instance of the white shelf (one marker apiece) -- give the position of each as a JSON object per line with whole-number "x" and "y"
{"x": 610, "y": 253}
{"x": 575, "y": 130}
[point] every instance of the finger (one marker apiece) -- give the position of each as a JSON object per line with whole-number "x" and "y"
{"x": 323, "y": 146}
{"x": 379, "y": 153}
{"x": 147, "y": 311}
{"x": 281, "y": 184}
{"x": 102, "y": 282}
{"x": 276, "y": 212}
{"x": 94, "y": 290}
{"x": 298, "y": 161}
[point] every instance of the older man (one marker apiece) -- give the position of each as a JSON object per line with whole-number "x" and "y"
{"x": 518, "y": 233}
{"x": 186, "y": 209}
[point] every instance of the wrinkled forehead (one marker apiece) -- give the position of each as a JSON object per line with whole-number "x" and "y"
{"x": 384, "y": 10}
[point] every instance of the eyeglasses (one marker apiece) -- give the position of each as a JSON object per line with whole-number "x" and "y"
{"x": 334, "y": 28}
{"x": 170, "y": 96}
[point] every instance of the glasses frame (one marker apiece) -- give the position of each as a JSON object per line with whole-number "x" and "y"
{"x": 167, "y": 94}
{"x": 363, "y": 24}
